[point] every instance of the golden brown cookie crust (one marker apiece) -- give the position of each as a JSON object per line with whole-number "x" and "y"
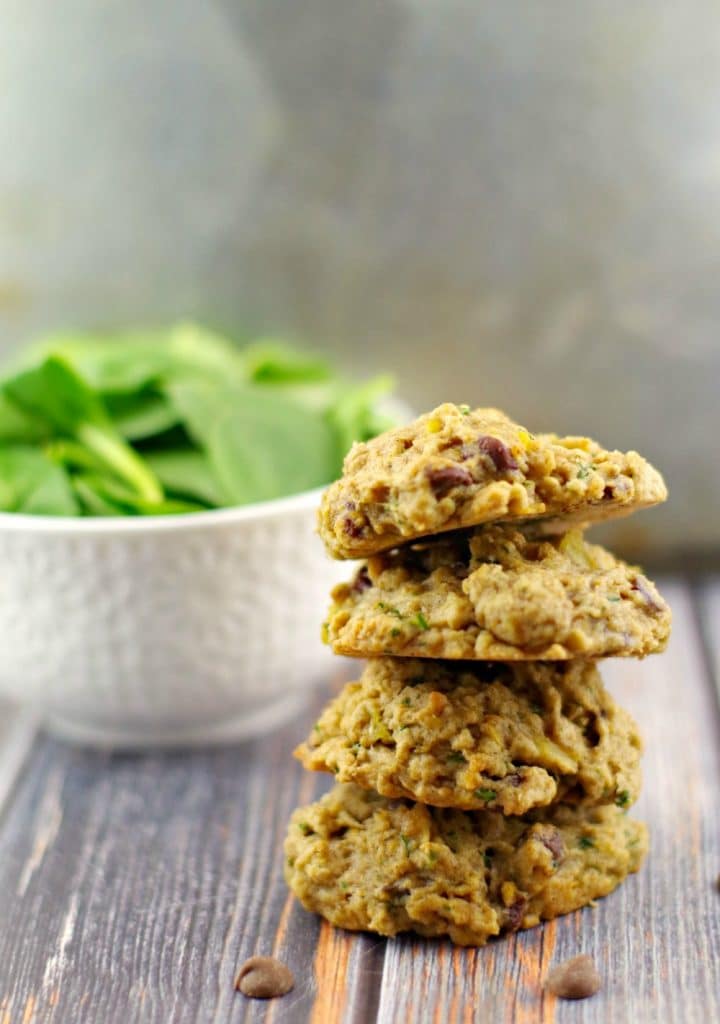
{"x": 498, "y": 593}
{"x": 367, "y": 863}
{"x": 456, "y": 467}
{"x": 506, "y": 738}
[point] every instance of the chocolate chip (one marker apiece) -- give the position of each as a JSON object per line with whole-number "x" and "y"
{"x": 591, "y": 730}
{"x": 502, "y": 457}
{"x": 362, "y": 581}
{"x": 552, "y": 841}
{"x": 264, "y": 977}
{"x": 492, "y": 671}
{"x": 351, "y": 528}
{"x": 396, "y": 890}
{"x": 642, "y": 585}
{"x": 515, "y": 914}
{"x": 576, "y": 978}
{"x": 444, "y": 478}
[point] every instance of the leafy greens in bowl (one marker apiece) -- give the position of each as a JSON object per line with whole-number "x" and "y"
{"x": 173, "y": 421}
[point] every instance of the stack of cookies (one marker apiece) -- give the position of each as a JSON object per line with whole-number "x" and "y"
{"x": 483, "y": 773}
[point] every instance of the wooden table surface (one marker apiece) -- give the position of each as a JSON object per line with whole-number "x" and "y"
{"x": 132, "y": 887}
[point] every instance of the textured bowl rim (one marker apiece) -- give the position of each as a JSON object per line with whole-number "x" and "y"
{"x": 13, "y": 522}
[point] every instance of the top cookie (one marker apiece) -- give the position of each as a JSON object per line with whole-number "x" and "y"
{"x": 457, "y": 467}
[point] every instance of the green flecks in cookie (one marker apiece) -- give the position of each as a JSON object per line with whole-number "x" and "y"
{"x": 455, "y": 757}
{"x": 488, "y": 795}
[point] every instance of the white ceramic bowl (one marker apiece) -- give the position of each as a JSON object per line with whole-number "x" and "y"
{"x": 164, "y": 631}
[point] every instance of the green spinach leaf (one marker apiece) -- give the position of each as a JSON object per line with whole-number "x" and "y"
{"x": 186, "y": 473}
{"x": 259, "y": 447}
{"x": 31, "y": 483}
{"x": 273, "y": 362}
{"x": 55, "y": 392}
{"x": 19, "y": 426}
{"x": 141, "y": 416}
{"x": 113, "y": 493}
{"x": 260, "y": 454}
{"x": 92, "y": 502}
{"x": 110, "y": 364}
{"x": 173, "y": 420}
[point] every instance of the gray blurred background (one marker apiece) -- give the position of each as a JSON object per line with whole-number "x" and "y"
{"x": 514, "y": 203}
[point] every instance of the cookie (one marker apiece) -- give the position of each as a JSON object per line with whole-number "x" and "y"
{"x": 506, "y": 738}
{"x": 455, "y": 467}
{"x": 498, "y": 593}
{"x": 368, "y": 863}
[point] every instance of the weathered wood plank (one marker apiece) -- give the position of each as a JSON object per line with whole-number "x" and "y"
{"x": 657, "y": 939}
{"x": 17, "y": 734}
{"x": 131, "y": 888}
{"x": 708, "y": 600}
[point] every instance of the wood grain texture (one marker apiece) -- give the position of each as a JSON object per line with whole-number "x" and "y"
{"x": 17, "y": 734}
{"x": 135, "y": 886}
{"x": 707, "y": 596}
{"x": 131, "y": 888}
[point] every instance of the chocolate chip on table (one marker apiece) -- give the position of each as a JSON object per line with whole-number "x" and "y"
{"x": 264, "y": 977}
{"x": 576, "y": 978}
{"x": 498, "y": 451}
{"x": 444, "y": 478}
